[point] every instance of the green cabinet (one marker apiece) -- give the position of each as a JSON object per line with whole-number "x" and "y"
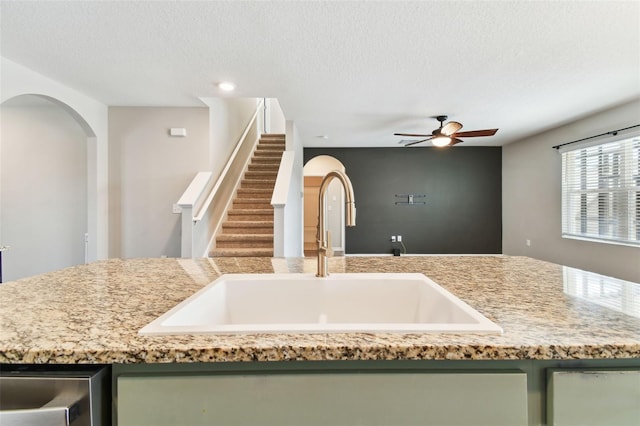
{"x": 332, "y": 398}
{"x": 593, "y": 397}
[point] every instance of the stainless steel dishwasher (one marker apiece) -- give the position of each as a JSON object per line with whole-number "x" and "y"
{"x": 38, "y": 395}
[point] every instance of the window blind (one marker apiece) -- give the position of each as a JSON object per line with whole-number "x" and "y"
{"x": 601, "y": 192}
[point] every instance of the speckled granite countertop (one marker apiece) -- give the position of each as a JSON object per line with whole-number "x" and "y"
{"x": 92, "y": 313}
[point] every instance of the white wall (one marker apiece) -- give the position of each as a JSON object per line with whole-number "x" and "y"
{"x": 293, "y": 214}
{"x": 275, "y": 120}
{"x": 43, "y": 179}
{"x": 149, "y": 171}
{"x": 16, "y": 80}
{"x": 531, "y": 199}
{"x": 228, "y": 119}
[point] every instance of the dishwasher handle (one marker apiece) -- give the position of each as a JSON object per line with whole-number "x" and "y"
{"x": 62, "y": 410}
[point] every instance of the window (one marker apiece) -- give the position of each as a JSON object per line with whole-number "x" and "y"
{"x": 601, "y": 192}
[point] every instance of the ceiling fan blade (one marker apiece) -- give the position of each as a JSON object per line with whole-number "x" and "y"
{"x": 450, "y": 128}
{"x": 455, "y": 141}
{"x": 416, "y": 142}
{"x": 475, "y": 133}
{"x": 411, "y": 134}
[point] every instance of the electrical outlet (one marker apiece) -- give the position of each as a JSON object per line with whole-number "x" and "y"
{"x": 393, "y": 238}
{"x": 176, "y": 208}
{"x": 528, "y": 243}
{"x": 399, "y": 238}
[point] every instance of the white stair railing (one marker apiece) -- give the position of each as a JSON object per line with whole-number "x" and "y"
{"x": 201, "y": 218}
{"x": 287, "y": 199}
{"x": 279, "y": 202}
{"x": 188, "y": 203}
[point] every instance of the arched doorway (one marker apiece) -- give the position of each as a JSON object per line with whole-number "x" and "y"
{"x": 45, "y": 164}
{"x": 313, "y": 172}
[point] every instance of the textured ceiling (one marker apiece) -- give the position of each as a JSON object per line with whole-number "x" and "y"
{"x": 355, "y": 71}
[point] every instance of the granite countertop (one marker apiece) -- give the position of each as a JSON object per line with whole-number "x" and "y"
{"x": 92, "y": 313}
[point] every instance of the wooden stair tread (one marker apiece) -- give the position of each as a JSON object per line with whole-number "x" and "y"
{"x": 242, "y": 252}
{"x": 252, "y": 180}
{"x": 255, "y": 174}
{"x": 245, "y": 237}
{"x": 248, "y": 223}
{"x": 253, "y": 191}
{"x": 251, "y": 211}
{"x": 247, "y": 200}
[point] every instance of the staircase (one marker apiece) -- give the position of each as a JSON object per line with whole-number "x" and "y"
{"x": 248, "y": 230}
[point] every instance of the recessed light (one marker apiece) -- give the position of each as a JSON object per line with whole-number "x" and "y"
{"x": 322, "y": 137}
{"x": 226, "y": 86}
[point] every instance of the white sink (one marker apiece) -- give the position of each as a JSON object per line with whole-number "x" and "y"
{"x": 304, "y": 303}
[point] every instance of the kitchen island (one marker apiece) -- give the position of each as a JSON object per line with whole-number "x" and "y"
{"x": 92, "y": 313}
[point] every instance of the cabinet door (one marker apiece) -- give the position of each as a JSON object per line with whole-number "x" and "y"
{"x": 324, "y": 399}
{"x": 593, "y": 397}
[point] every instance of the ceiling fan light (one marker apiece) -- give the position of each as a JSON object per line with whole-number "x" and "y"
{"x": 441, "y": 141}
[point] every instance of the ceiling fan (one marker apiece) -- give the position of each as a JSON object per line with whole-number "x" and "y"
{"x": 446, "y": 134}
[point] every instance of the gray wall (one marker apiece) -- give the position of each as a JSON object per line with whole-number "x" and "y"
{"x": 149, "y": 171}
{"x": 531, "y": 172}
{"x": 462, "y": 185}
{"x": 43, "y": 203}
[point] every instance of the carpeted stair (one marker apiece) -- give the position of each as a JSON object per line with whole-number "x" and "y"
{"x": 248, "y": 230}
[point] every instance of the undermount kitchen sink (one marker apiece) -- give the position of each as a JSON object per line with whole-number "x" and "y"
{"x": 304, "y": 303}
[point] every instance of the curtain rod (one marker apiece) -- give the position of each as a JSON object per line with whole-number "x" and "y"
{"x": 612, "y": 133}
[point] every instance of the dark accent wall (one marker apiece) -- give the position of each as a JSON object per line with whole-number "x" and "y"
{"x": 463, "y": 204}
